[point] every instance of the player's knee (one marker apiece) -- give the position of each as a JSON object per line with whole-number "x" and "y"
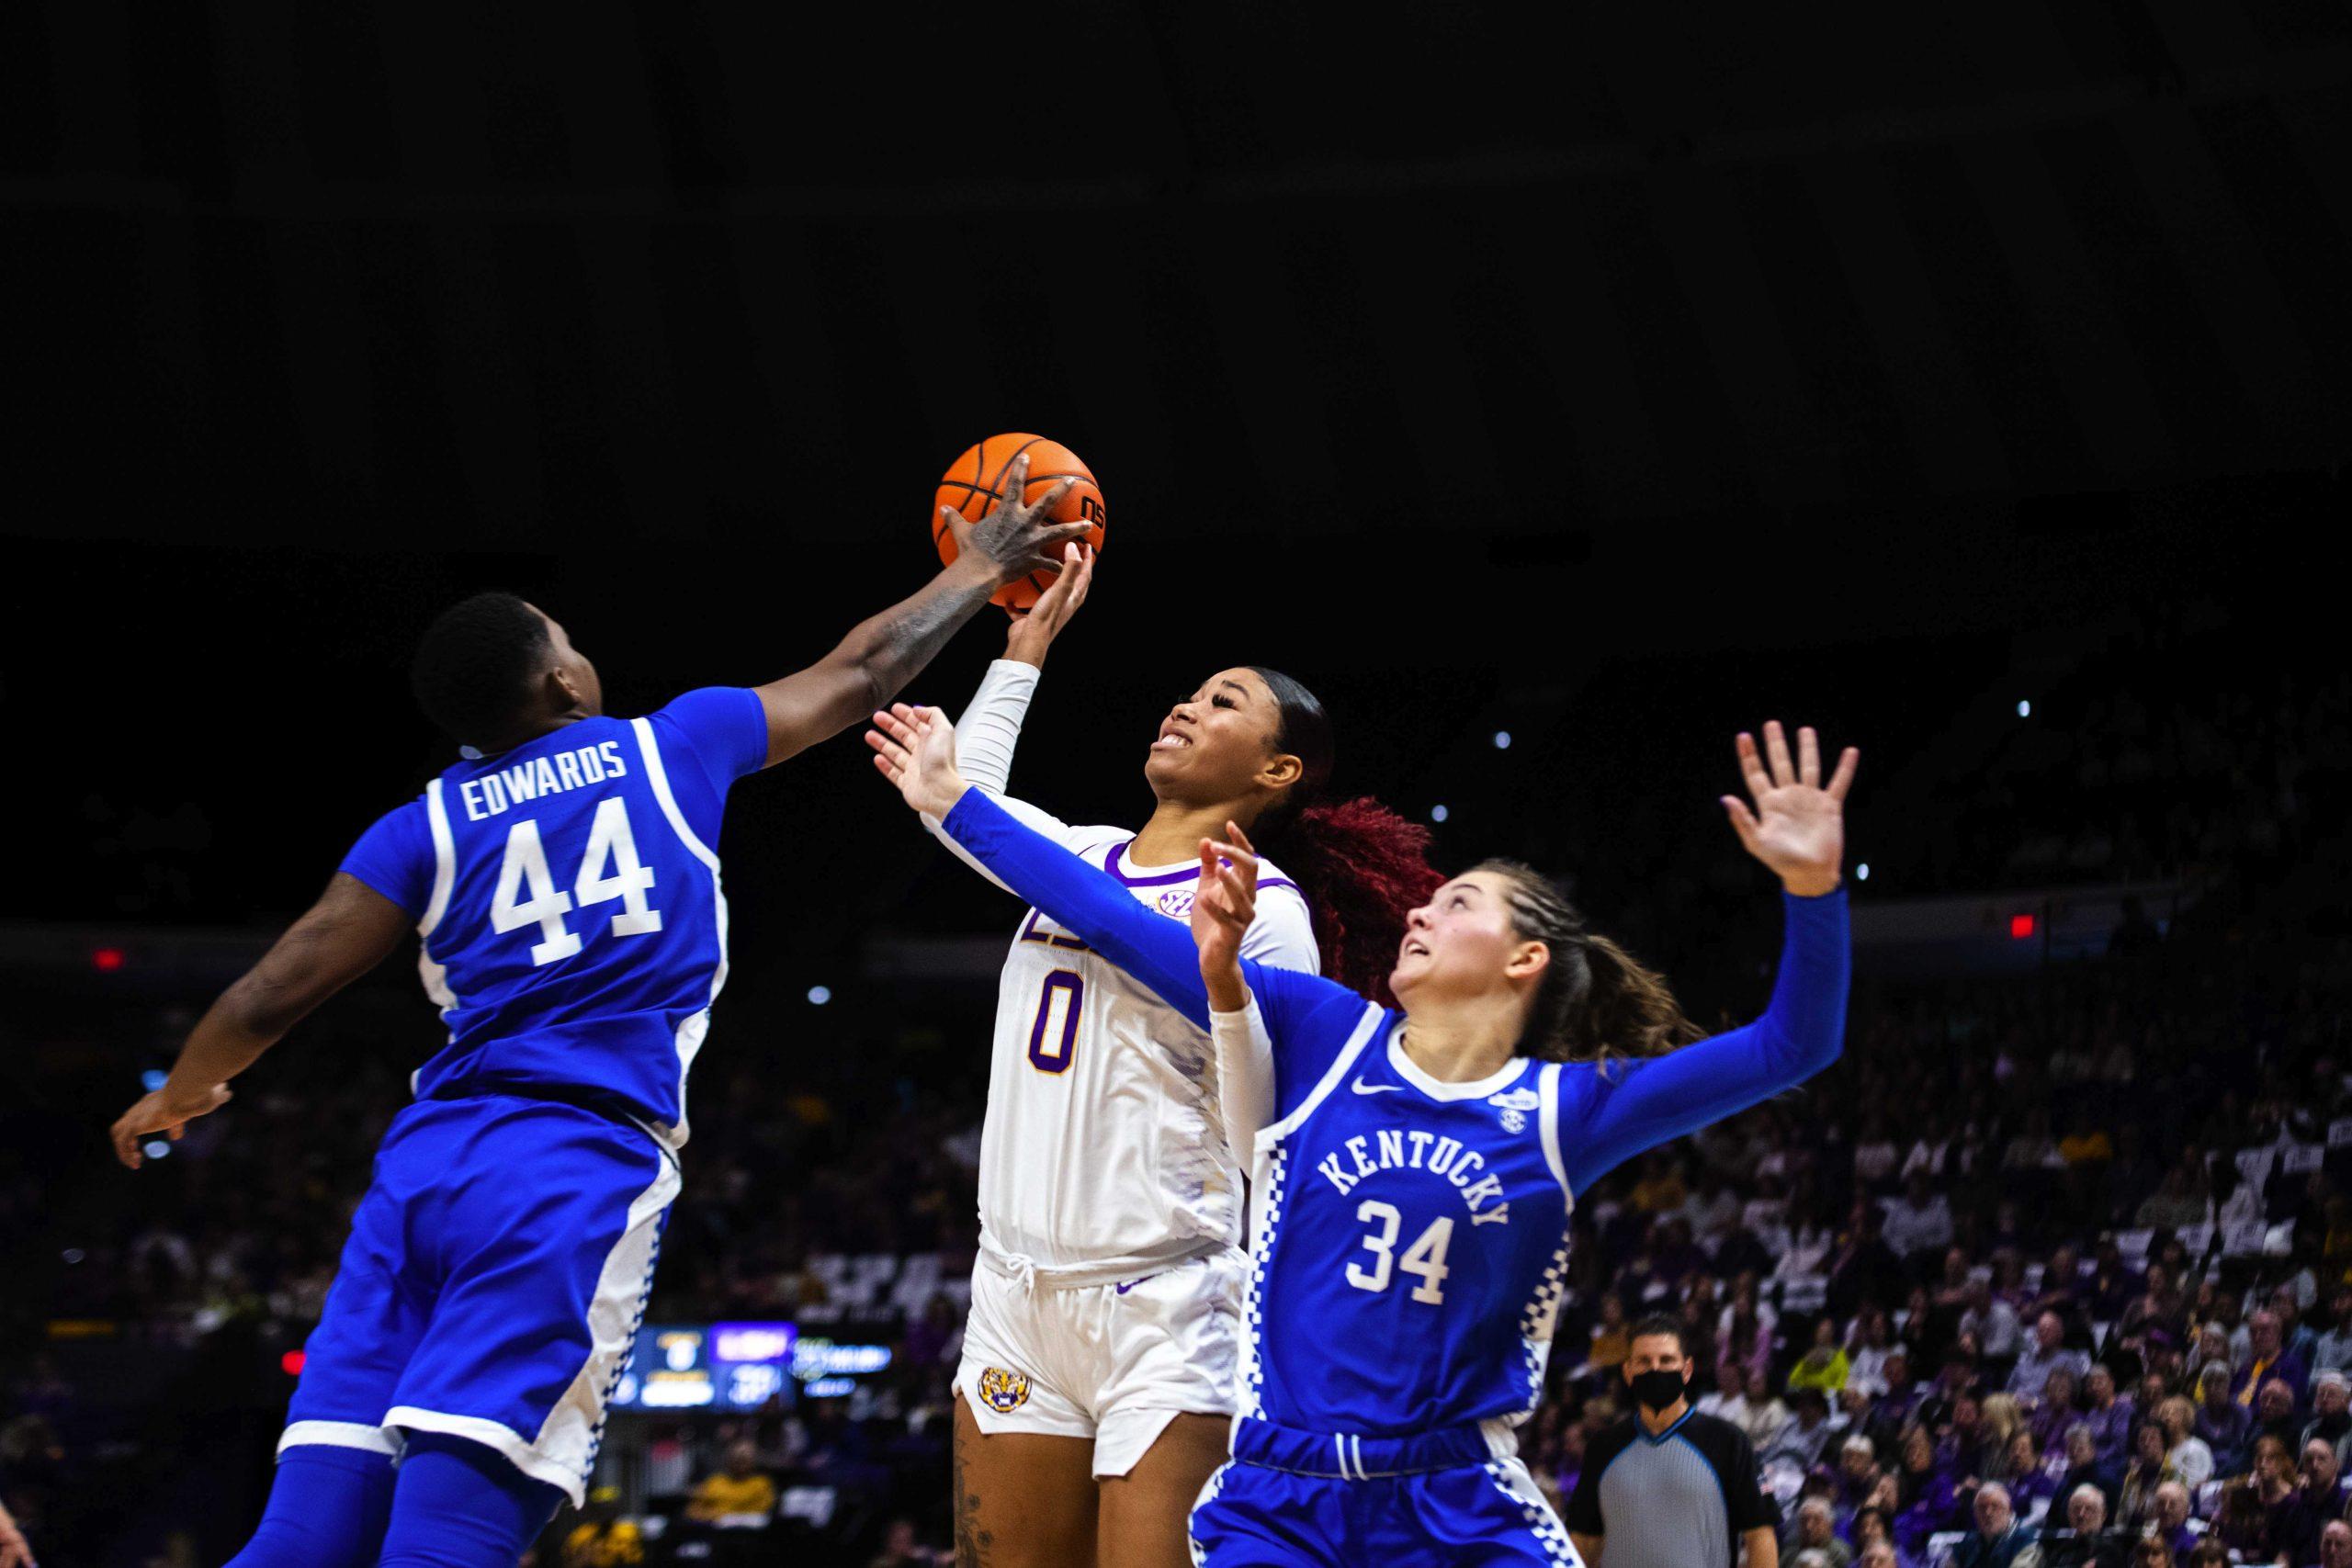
{"x": 460, "y": 1504}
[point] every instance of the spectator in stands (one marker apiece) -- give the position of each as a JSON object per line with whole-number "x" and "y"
{"x": 1918, "y": 1219}
{"x": 901, "y": 1550}
{"x": 1744, "y": 1331}
{"x": 2085, "y": 1466}
{"x": 2046, "y": 1354}
{"x": 2322, "y": 1480}
{"x": 2001, "y": 1418}
{"x": 2027, "y": 1481}
{"x": 2206, "y": 1554}
{"x": 1610, "y": 1345}
{"x": 2212, "y": 1349}
{"x": 2086, "y": 1541}
{"x": 2171, "y": 1524}
{"x": 1824, "y": 1366}
{"x": 2332, "y": 1341}
{"x": 739, "y": 1492}
{"x": 1802, "y": 1440}
{"x": 2191, "y": 1458}
{"x": 1990, "y": 1321}
{"x": 2052, "y": 1410}
{"x": 2275, "y": 1415}
{"x": 2331, "y": 1420}
{"x": 1880, "y": 1554}
{"x": 2263, "y": 1515}
{"x": 2224, "y": 1424}
{"x": 2108, "y": 1414}
{"x": 2335, "y": 1545}
{"x": 2149, "y": 1469}
{"x": 2176, "y": 1204}
{"x": 603, "y": 1539}
{"x": 1751, "y": 1406}
{"x": 2268, "y": 1358}
{"x": 1865, "y": 1269}
{"x": 1815, "y": 1530}
{"x": 1867, "y": 1345}
{"x": 1858, "y": 1474}
{"x": 1998, "y": 1536}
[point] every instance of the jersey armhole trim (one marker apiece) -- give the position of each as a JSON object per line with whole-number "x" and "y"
{"x": 1547, "y": 1088}
{"x": 445, "y": 859}
{"x": 659, "y": 777}
{"x": 1366, "y": 1028}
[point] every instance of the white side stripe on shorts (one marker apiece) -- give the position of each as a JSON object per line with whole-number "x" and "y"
{"x": 339, "y": 1435}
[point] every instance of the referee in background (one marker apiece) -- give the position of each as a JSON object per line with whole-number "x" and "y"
{"x": 1667, "y": 1487}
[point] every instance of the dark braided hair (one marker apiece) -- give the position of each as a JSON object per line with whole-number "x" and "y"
{"x": 1595, "y": 1003}
{"x": 1360, "y": 864}
{"x": 475, "y": 664}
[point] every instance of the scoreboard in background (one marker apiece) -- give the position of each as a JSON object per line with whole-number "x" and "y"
{"x": 739, "y": 1366}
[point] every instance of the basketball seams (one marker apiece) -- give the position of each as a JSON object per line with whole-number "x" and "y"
{"x": 982, "y": 492}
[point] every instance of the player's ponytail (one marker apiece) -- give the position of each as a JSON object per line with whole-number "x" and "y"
{"x": 1596, "y": 1002}
{"x": 1360, "y": 864}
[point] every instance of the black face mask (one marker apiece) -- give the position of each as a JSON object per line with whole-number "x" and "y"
{"x": 1658, "y": 1389}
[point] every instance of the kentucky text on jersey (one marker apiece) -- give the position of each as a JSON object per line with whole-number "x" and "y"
{"x": 536, "y": 776}
{"x": 1446, "y": 1158}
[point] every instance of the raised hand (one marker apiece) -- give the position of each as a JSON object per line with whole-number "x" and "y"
{"x": 1035, "y": 628}
{"x": 1798, "y": 824}
{"x": 1223, "y": 905}
{"x": 1018, "y": 538}
{"x": 915, "y": 749}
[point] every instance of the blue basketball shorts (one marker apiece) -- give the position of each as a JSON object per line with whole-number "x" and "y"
{"x": 1292, "y": 1499}
{"x": 492, "y": 1285}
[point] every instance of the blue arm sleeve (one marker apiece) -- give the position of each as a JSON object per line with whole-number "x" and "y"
{"x": 394, "y": 856}
{"x": 727, "y": 727}
{"x": 1606, "y": 1118}
{"x": 1153, "y": 949}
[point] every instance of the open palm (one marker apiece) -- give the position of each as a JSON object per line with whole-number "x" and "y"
{"x": 1797, "y": 825}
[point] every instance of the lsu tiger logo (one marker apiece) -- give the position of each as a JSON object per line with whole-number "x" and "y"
{"x": 1005, "y": 1392}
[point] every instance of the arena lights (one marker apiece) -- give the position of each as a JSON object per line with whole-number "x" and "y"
{"x": 820, "y": 995}
{"x": 2025, "y": 708}
{"x": 153, "y": 1079}
{"x": 155, "y": 1148}
{"x": 1437, "y": 813}
{"x": 292, "y": 1363}
{"x": 2020, "y": 926}
{"x": 1862, "y": 872}
{"x": 1502, "y": 739}
{"x": 105, "y": 960}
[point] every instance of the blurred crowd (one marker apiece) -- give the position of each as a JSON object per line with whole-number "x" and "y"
{"x": 2055, "y": 1264}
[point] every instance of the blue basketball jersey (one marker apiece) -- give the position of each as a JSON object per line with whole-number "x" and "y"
{"x": 1408, "y": 1245}
{"x": 568, "y": 900}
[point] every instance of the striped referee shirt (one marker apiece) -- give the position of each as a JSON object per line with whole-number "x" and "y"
{"x": 1679, "y": 1499}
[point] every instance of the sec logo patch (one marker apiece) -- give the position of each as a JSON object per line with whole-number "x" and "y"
{"x": 1005, "y": 1392}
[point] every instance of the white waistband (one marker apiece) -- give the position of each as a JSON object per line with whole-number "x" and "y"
{"x": 1032, "y": 1275}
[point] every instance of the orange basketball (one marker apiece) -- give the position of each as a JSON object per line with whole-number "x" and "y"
{"x": 974, "y": 483}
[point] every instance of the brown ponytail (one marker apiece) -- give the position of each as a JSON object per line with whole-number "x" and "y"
{"x": 1596, "y": 1002}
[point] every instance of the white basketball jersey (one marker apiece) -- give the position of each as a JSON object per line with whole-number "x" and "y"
{"x": 1104, "y": 1152}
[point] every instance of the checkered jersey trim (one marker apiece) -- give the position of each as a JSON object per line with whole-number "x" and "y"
{"x": 1512, "y": 1480}
{"x": 1253, "y": 1289}
{"x": 1535, "y": 1324}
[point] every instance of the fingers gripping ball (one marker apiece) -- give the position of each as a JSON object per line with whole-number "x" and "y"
{"x": 973, "y": 485}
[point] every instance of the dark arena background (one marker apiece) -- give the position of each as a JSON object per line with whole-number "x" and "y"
{"x": 1556, "y": 394}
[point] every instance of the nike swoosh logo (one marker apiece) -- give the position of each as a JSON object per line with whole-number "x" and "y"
{"x": 1362, "y": 1087}
{"x": 1133, "y": 1283}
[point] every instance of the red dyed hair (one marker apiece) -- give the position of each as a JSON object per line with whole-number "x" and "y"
{"x": 1363, "y": 867}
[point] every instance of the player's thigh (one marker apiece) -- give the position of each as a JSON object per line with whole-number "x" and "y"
{"x": 1022, "y": 1499}
{"x": 1484, "y": 1515}
{"x": 1249, "y": 1516}
{"x": 1146, "y": 1512}
{"x": 374, "y": 1316}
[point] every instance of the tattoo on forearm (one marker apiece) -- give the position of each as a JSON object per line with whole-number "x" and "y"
{"x": 974, "y": 1546}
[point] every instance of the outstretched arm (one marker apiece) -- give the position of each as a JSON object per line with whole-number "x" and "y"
{"x": 1797, "y": 827}
{"x": 348, "y": 933}
{"x": 881, "y": 654}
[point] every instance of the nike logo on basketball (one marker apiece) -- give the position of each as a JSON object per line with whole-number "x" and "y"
{"x": 1362, "y": 1087}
